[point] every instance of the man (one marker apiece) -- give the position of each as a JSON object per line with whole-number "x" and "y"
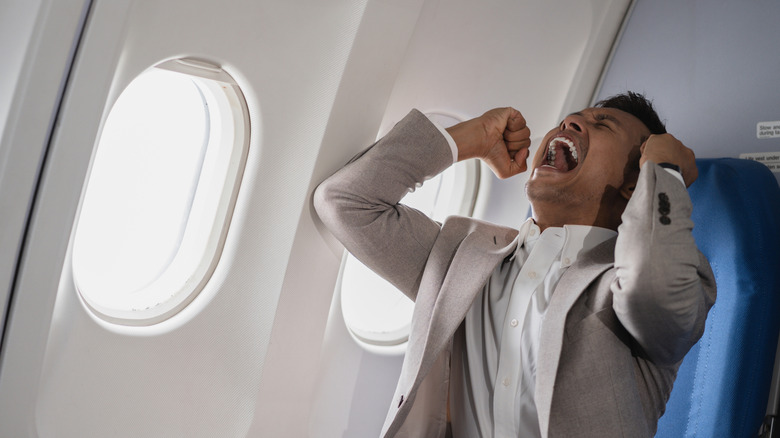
{"x": 563, "y": 328}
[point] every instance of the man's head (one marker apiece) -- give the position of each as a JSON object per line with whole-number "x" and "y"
{"x": 638, "y": 106}
{"x": 585, "y": 169}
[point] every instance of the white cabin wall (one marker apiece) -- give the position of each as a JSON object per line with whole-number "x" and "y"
{"x": 293, "y": 373}
{"x": 17, "y": 23}
{"x": 241, "y": 358}
{"x": 37, "y": 43}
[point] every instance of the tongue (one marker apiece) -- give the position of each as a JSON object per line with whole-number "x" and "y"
{"x": 561, "y": 161}
{"x": 564, "y": 160}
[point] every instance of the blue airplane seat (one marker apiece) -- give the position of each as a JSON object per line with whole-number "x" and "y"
{"x": 723, "y": 384}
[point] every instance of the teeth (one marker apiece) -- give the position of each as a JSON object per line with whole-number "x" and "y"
{"x": 551, "y": 150}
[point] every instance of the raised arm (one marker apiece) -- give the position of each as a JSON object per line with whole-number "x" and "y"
{"x": 360, "y": 203}
{"x": 664, "y": 285}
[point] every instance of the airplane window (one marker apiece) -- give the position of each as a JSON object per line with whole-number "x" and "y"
{"x": 379, "y": 315}
{"x": 161, "y": 187}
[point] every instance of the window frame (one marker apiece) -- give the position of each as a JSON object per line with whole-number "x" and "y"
{"x": 210, "y": 214}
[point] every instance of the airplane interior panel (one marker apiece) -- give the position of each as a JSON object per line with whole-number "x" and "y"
{"x": 163, "y": 271}
{"x": 714, "y": 58}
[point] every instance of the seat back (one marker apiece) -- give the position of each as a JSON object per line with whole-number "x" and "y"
{"x": 723, "y": 383}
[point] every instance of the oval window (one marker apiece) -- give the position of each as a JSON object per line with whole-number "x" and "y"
{"x": 376, "y": 313}
{"x": 161, "y": 189}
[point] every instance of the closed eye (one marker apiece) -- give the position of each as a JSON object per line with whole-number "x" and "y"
{"x": 601, "y": 118}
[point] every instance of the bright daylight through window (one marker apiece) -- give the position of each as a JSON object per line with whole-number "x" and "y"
{"x": 160, "y": 192}
{"x": 378, "y": 314}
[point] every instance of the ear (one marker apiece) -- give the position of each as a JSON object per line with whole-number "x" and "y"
{"x": 631, "y": 171}
{"x": 627, "y": 189}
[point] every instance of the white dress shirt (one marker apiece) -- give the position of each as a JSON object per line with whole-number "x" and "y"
{"x": 503, "y": 329}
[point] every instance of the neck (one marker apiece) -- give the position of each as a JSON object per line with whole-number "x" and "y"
{"x": 555, "y": 215}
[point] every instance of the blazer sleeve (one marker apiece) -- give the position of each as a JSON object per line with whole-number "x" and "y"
{"x": 359, "y": 204}
{"x": 664, "y": 285}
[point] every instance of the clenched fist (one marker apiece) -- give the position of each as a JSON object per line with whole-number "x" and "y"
{"x": 664, "y": 148}
{"x": 499, "y": 137}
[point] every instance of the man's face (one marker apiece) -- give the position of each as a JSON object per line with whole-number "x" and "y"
{"x": 582, "y": 162}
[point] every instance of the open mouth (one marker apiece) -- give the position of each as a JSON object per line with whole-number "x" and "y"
{"x": 561, "y": 154}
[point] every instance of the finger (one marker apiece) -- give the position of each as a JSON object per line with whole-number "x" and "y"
{"x": 518, "y": 135}
{"x": 505, "y": 170}
{"x": 515, "y": 120}
{"x": 642, "y": 157}
{"x": 644, "y": 144}
{"x": 690, "y": 170}
{"x": 692, "y": 176}
{"x": 500, "y": 161}
{"x": 512, "y": 168}
{"x": 514, "y": 146}
{"x": 520, "y": 160}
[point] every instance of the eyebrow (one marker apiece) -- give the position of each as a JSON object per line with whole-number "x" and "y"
{"x": 601, "y": 116}
{"x": 611, "y": 118}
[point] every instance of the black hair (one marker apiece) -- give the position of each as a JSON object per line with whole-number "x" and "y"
{"x": 638, "y": 106}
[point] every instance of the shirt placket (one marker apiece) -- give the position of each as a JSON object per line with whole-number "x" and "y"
{"x": 508, "y": 377}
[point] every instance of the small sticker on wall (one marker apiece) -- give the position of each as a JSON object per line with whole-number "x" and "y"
{"x": 770, "y": 159}
{"x": 768, "y": 129}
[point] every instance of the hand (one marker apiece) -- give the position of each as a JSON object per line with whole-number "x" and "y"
{"x": 499, "y": 137}
{"x": 664, "y": 148}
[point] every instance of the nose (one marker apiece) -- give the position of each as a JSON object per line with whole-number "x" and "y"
{"x": 571, "y": 122}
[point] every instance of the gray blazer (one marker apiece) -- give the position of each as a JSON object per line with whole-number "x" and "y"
{"x": 619, "y": 322}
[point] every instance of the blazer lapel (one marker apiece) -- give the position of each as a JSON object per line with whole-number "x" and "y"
{"x": 576, "y": 279}
{"x": 471, "y": 267}
{"x": 483, "y": 247}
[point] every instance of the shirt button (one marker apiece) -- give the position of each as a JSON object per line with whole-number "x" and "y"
{"x": 513, "y": 322}
{"x": 566, "y": 261}
{"x": 506, "y": 381}
{"x": 532, "y": 274}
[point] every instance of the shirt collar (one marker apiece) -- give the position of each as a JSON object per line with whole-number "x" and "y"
{"x": 577, "y": 239}
{"x": 580, "y": 239}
